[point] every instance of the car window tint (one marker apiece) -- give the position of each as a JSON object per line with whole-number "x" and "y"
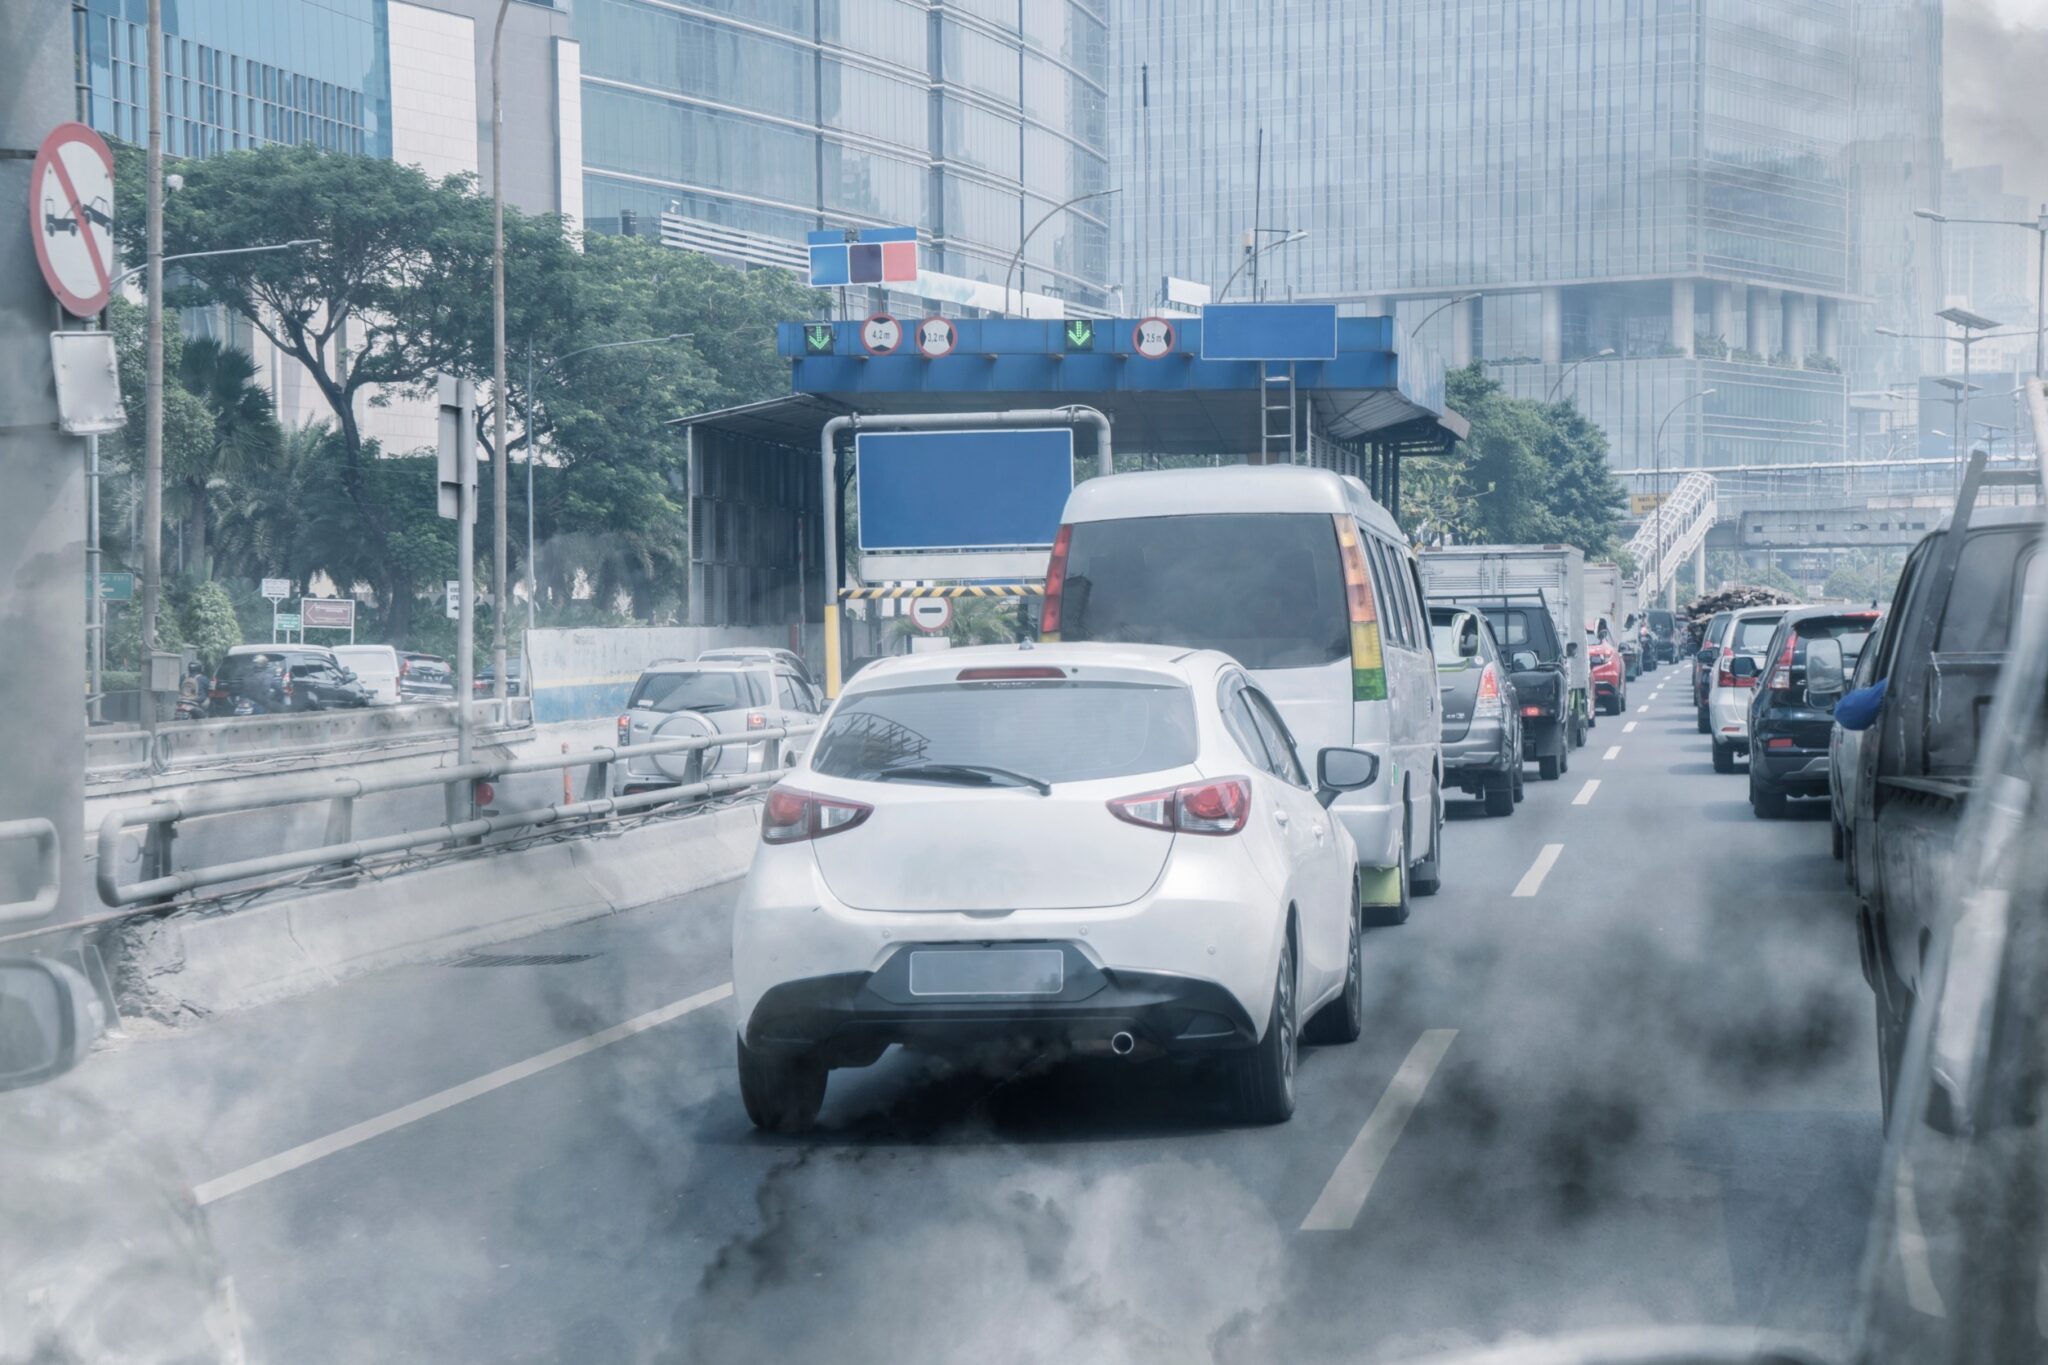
{"x": 1753, "y": 633}
{"x": 1237, "y": 718}
{"x": 670, "y": 692}
{"x": 1393, "y": 604}
{"x": 1279, "y": 745}
{"x": 1445, "y": 636}
{"x": 1902, "y": 606}
{"x": 1978, "y": 616}
{"x": 785, "y": 693}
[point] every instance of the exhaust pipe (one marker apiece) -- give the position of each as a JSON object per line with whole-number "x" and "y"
{"x": 1122, "y": 1044}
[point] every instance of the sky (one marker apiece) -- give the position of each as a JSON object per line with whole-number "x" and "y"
{"x": 1994, "y": 57}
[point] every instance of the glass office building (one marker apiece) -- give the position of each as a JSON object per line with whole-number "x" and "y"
{"x": 753, "y": 122}
{"x": 238, "y": 73}
{"x": 1666, "y": 180}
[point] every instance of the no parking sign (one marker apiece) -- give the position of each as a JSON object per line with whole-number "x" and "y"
{"x": 71, "y": 216}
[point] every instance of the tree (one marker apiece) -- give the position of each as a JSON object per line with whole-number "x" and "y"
{"x": 210, "y": 623}
{"x": 245, "y": 433}
{"x": 1527, "y": 472}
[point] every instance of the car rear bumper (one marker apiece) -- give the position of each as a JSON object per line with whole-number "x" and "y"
{"x": 1483, "y": 749}
{"x": 1728, "y": 716}
{"x": 1795, "y": 771}
{"x": 1606, "y": 690}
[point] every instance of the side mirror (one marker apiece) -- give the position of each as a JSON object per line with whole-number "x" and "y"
{"x": 1742, "y": 666}
{"x": 1571, "y": 649}
{"x": 1824, "y": 668}
{"x": 1523, "y": 660}
{"x": 49, "y": 1016}
{"x": 1344, "y": 770}
{"x": 1706, "y": 656}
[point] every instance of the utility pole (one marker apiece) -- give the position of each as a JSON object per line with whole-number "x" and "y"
{"x": 153, "y": 398}
{"x": 501, "y": 585}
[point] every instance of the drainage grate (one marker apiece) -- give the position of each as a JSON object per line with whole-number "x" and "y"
{"x": 520, "y": 959}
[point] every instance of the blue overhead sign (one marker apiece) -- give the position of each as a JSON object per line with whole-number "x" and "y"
{"x": 962, "y": 490}
{"x": 872, "y": 256}
{"x": 1269, "y": 331}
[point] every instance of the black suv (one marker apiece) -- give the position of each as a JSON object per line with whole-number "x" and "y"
{"x": 1536, "y": 664}
{"x": 285, "y": 678}
{"x": 1792, "y": 714}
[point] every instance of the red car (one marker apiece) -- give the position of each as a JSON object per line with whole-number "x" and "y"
{"x": 1610, "y": 687}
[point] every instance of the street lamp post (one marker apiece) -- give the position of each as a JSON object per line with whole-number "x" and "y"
{"x": 1025, "y": 240}
{"x": 1258, "y": 250}
{"x": 2039, "y": 227}
{"x": 501, "y": 596}
{"x": 1974, "y": 328}
{"x": 1657, "y": 491}
{"x": 1600, "y": 354}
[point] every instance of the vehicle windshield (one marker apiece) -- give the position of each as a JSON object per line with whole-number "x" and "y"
{"x": 1053, "y": 731}
{"x": 1753, "y": 634}
{"x": 1445, "y": 635}
{"x": 669, "y": 692}
{"x": 1266, "y": 589}
{"x": 1522, "y": 628}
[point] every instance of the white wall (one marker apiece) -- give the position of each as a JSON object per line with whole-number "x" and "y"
{"x": 433, "y": 90}
{"x": 569, "y": 129}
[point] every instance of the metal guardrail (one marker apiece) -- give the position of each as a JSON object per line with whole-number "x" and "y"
{"x": 342, "y": 790}
{"x": 251, "y": 739}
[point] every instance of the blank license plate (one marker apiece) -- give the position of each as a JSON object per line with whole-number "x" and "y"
{"x": 988, "y": 971}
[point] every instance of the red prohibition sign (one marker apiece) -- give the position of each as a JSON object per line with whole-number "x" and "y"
{"x": 71, "y": 217}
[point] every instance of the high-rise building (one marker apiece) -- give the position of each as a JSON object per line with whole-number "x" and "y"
{"x": 1660, "y": 191}
{"x": 737, "y": 126}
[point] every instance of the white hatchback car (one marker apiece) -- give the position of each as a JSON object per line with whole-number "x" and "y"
{"x": 1733, "y": 686}
{"x": 1099, "y": 849}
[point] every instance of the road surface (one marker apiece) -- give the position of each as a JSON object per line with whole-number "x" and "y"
{"x": 1619, "y": 1071}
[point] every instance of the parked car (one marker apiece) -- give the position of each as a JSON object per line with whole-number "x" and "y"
{"x": 1736, "y": 670}
{"x": 485, "y": 684}
{"x": 1307, "y": 582}
{"x": 1482, "y": 718}
{"x": 1610, "y": 686}
{"x": 1663, "y": 634}
{"x": 376, "y": 667}
{"x": 425, "y": 677}
{"x": 275, "y": 678}
{"x": 1703, "y": 663}
{"x": 677, "y": 700}
{"x": 1962, "y": 592}
{"x": 1169, "y": 789}
{"x": 751, "y": 654}
{"x": 1808, "y": 662}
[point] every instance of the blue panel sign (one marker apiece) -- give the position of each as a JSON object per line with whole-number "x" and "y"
{"x": 1269, "y": 331}
{"x": 962, "y": 490}
{"x": 873, "y": 256}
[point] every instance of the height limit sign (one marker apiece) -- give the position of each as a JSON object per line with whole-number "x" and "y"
{"x": 71, "y": 217}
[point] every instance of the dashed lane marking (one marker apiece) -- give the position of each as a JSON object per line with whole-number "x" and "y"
{"x": 1629, "y": 728}
{"x": 1343, "y": 1196}
{"x": 1585, "y": 796}
{"x": 1643, "y": 710}
{"x": 1613, "y": 752}
{"x": 1532, "y": 880}
{"x": 305, "y": 1154}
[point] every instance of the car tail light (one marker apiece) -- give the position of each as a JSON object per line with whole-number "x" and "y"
{"x": 1011, "y": 675}
{"x": 1777, "y": 744}
{"x": 1055, "y": 583}
{"x": 625, "y": 730}
{"x": 404, "y": 667}
{"x": 483, "y": 793}
{"x": 1724, "y": 673}
{"x": 1215, "y": 807}
{"x": 790, "y": 816}
{"x": 1781, "y": 676}
{"x": 1368, "y": 667}
{"x": 757, "y": 720}
{"x": 1489, "y": 703}
{"x": 1532, "y": 710}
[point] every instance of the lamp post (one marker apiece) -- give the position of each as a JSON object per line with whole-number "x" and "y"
{"x": 1657, "y": 491}
{"x": 2039, "y": 227}
{"x": 1600, "y": 354}
{"x": 1416, "y": 330}
{"x": 1025, "y": 240}
{"x": 532, "y": 449}
{"x": 1251, "y": 257}
{"x": 501, "y": 596}
{"x": 1974, "y": 328}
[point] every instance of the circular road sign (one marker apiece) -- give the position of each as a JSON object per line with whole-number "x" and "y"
{"x": 936, "y": 338}
{"x": 1152, "y": 338}
{"x": 931, "y": 614}
{"x": 881, "y": 334}
{"x": 71, "y": 217}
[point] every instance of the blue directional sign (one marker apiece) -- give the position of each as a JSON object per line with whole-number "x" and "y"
{"x": 873, "y": 256}
{"x": 962, "y": 490}
{"x": 1269, "y": 331}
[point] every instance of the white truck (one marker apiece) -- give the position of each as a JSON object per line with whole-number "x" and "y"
{"x": 1503, "y": 582}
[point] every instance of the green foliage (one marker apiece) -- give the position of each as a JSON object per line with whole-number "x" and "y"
{"x": 209, "y": 623}
{"x": 1864, "y": 576}
{"x": 976, "y": 621}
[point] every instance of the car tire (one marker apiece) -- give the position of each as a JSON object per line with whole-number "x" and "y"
{"x": 1835, "y": 841}
{"x": 1262, "y": 1075}
{"x": 1706, "y": 725}
{"x": 1500, "y": 794}
{"x": 1518, "y": 781}
{"x": 1724, "y": 758}
{"x": 1343, "y": 1019}
{"x": 1428, "y": 877}
{"x": 1767, "y": 804}
{"x": 1564, "y": 761}
{"x": 1548, "y": 767}
{"x": 781, "y": 1094}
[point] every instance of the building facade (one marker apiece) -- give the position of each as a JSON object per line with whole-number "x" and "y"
{"x": 1657, "y": 194}
{"x": 738, "y": 126}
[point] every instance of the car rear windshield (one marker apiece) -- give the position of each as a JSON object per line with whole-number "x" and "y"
{"x": 1660, "y": 621}
{"x": 668, "y": 692}
{"x": 1852, "y": 631}
{"x": 1053, "y": 731}
{"x": 1979, "y": 616}
{"x": 1265, "y": 588}
{"x": 1443, "y": 637}
{"x": 1753, "y": 633}
{"x": 1523, "y": 628}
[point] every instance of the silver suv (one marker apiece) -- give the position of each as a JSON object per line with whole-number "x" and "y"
{"x": 678, "y": 700}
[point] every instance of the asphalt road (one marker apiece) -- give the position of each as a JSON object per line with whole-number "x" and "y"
{"x": 1638, "y": 1086}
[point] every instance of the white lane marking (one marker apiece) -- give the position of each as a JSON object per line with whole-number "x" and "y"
{"x": 1532, "y": 880}
{"x": 1921, "y": 1291}
{"x": 1629, "y": 728}
{"x": 1585, "y": 795}
{"x": 1643, "y": 709}
{"x": 1613, "y": 752}
{"x": 305, "y": 1154}
{"x": 1337, "y": 1208}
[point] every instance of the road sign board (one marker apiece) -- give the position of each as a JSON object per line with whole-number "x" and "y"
{"x": 117, "y": 587}
{"x": 817, "y": 338}
{"x": 962, "y": 490}
{"x": 872, "y": 256}
{"x": 1269, "y": 331}
{"x": 1080, "y": 334}
{"x": 931, "y": 614}
{"x": 881, "y": 334}
{"x": 277, "y": 589}
{"x": 328, "y": 613}
{"x": 936, "y": 338}
{"x": 284, "y": 620}
{"x": 71, "y": 217}
{"x": 1153, "y": 338}
{"x": 1642, "y": 504}
{"x": 454, "y": 599}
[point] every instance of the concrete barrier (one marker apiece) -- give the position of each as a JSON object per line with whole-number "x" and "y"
{"x": 111, "y": 753}
{"x": 587, "y": 674}
{"x": 191, "y": 965}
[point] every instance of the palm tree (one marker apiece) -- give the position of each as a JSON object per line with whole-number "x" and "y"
{"x": 245, "y": 434}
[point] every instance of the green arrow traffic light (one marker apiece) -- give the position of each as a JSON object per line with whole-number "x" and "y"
{"x": 1080, "y": 335}
{"x": 818, "y": 338}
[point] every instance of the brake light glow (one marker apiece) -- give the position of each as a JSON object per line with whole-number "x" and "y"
{"x": 1532, "y": 710}
{"x": 1777, "y": 744}
{"x": 1489, "y": 704}
{"x": 790, "y": 816}
{"x": 1781, "y": 676}
{"x": 1368, "y": 666}
{"x": 756, "y": 720}
{"x": 625, "y": 730}
{"x": 1011, "y": 675}
{"x": 1214, "y": 807}
{"x": 1055, "y": 583}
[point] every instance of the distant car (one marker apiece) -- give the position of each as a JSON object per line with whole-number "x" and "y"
{"x": 1663, "y": 631}
{"x": 755, "y": 654}
{"x": 677, "y": 700}
{"x": 1482, "y": 719}
{"x": 1792, "y": 711}
{"x": 1736, "y": 670}
{"x": 1101, "y": 849}
{"x": 276, "y": 678}
{"x": 1704, "y": 660}
{"x": 425, "y": 677}
{"x": 1536, "y": 666}
{"x": 376, "y": 667}
{"x": 485, "y": 684}
{"x": 1610, "y": 686}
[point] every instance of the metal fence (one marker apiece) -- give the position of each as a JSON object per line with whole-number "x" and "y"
{"x": 112, "y": 752}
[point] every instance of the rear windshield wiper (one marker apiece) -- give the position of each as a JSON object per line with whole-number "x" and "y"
{"x": 964, "y": 774}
